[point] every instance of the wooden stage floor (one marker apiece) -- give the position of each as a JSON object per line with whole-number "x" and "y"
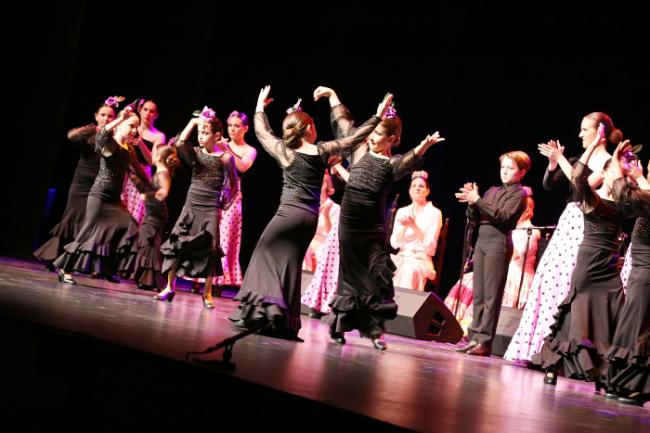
{"x": 416, "y": 385}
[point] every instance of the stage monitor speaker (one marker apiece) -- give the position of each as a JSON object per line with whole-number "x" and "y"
{"x": 509, "y": 319}
{"x": 424, "y": 316}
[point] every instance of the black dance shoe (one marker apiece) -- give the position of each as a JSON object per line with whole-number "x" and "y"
{"x": 635, "y": 398}
{"x": 480, "y": 350}
{"x": 111, "y": 279}
{"x": 165, "y": 295}
{"x": 379, "y": 344}
{"x": 50, "y": 267}
{"x": 65, "y": 278}
{"x": 472, "y": 344}
{"x": 551, "y": 377}
{"x": 338, "y": 338}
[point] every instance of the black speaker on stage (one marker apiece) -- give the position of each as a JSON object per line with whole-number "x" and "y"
{"x": 424, "y": 316}
{"x": 509, "y": 319}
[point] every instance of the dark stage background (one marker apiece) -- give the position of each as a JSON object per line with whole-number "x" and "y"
{"x": 489, "y": 78}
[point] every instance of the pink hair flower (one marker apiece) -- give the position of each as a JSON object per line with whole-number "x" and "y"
{"x": 295, "y": 107}
{"x": 113, "y": 101}
{"x": 206, "y": 114}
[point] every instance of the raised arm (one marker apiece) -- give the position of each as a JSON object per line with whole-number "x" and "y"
{"x": 583, "y": 192}
{"x": 404, "y": 164}
{"x": 82, "y": 134}
{"x": 105, "y": 145}
{"x": 558, "y": 171}
{"x": 273, "y": 145}
{"x": 184, "y": 146}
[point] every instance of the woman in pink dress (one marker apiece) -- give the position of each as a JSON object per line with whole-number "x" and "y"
{"x": 230, "y": 225}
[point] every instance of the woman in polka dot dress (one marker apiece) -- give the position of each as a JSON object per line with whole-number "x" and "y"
{"x": 553, "y": 275}
{"x": 322, "y": 288}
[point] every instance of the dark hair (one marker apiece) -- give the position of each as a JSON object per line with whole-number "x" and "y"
{"x": 294, "y": 127}
{"x": 393, "y": 126}
{"x": 239, "y": 115}
{"x": 215, "y": 125}
{"x": 612, "y": 134}
{"x": 170, "y": 158}
{"x": 108, "y": 106}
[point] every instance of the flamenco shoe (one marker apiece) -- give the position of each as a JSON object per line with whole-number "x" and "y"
{"x": 50, "y": 267}
{"x": 480, "y": 350}
{"x": 65, "y": 278}
{"x": 379, "y": 344}
{"x": 208, "y": 303}
{"x": 165, "y": 295}
{"x": 472, "y": 344}
{"x": 240, "y": 324}
{"x": 551, "y": 377}
{"x": 111, "y": 279}
{"x": 635, "y": 398}
{"x": 337, "y": 337}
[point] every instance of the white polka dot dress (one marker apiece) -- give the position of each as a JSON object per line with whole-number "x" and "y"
{"x": 323, "y": 284}
{"x": 627, "y": 267}
{"x": 230, "y": 242}
{"x": 550, "y": 286}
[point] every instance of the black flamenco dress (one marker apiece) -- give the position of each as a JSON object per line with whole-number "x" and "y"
{"x": 193, "y": 244}
{"x": 629, "y": 370}
{"x": 364, "y": 299}
{"x": 143, "y": 263}
{"x": 107, "y": 223}
{"x": 585, "y": 322}
{"x": 75, "y": 210}
{"x": 270, "y": 291}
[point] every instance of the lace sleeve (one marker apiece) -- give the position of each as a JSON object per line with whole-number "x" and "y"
{"x": 104, "y": 142}
{"x": 404, "y": 164}
{"x": 348, "y": 145}
{"x": 631, "y": 199}
{"x": 273, "y": 145}
{"x": 341, "y": 121}
{"x": 82, "y": 135}
{"x": 582, "y": 191}
{"x": 186, "y": 151}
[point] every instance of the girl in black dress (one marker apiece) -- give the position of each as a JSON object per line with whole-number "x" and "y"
{"x": 107, "y": 222}
{"x": 270, "y": 293}
{"x": 143, "y": 262}
{"x": 364, "y": 299}
{"x": 192, "y": 249}
{"x": 628, "y": 375}
{"x": 586, "y": 319}
{"x": 84, "y": 177}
